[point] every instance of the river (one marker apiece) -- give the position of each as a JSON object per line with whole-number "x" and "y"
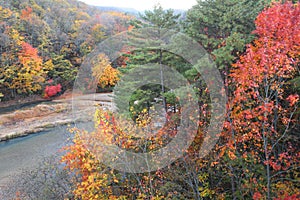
{"x": 26, "y": 152}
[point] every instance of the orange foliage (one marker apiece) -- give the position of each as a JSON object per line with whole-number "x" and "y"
{"x": 96, "y": 179}
{"x": 26, "y": 13}
{"x": 29, "y": 54}
{"x": 261, "y": 112}
{"x": 110, "y": 77}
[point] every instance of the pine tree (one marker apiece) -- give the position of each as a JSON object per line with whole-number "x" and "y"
{"x": 157, "y": 23}
{"x": 224, "y": 27}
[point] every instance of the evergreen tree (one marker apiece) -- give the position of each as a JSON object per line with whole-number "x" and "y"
{"x": 157, "y": 23}
{"x": 224, "y": 27}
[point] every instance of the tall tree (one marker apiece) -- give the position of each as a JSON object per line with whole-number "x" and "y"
{"x": 263, "y": 109}
{"x": 161, "y": 20}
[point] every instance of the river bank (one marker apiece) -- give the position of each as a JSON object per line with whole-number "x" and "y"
{"x": 46, "y": 115}
{"x": 45, "y": 126}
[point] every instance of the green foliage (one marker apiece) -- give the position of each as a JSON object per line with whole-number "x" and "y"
{"x": 223, "y": 27}
{"x": 143, "y": 98}
{"x": 63, "y": 71}
{"x": 295, "y": 84}
{"x": 161, "y": 20}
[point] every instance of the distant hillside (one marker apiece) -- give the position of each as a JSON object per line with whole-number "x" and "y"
{"x": 133, "y": 11}
{"x": 117, "y": 9}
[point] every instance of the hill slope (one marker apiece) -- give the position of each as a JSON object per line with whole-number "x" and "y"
{"x": 43, "y": 42}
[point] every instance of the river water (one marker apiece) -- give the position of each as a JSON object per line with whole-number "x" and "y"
{"x": 26, "y": 152}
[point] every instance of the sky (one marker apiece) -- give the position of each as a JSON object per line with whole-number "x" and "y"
{"x": 143, "y": 4}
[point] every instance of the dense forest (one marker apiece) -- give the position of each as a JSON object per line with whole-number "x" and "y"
{"x": 43, "y": 43}
{"x": 255, "y": 46}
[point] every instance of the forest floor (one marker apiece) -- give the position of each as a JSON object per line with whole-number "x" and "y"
{"x": 41, "y": 116}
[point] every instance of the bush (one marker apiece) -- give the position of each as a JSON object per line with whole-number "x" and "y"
{"x": 51, "y": 91}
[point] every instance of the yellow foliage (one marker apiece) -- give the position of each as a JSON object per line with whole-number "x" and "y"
{"x": 28, "y": 75}
{"x": 97, "y": 181}
{"x": 5, "y": 13}
{"x": 15, "y": 35}
{"x": 104, "y": 73}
